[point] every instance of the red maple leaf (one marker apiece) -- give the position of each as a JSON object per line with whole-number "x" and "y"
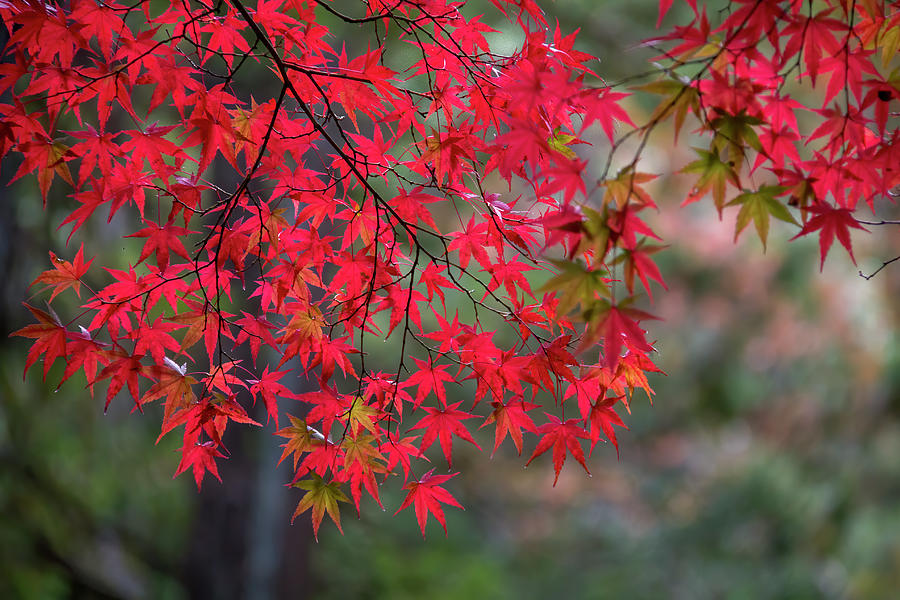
{"x": 429, "y": 378}
{"x": 427, "y": 495}
{"x": 49, "y": 335}
{"x": 829, "y": 222}
{"x": 561, "y": 436}
{"x": 602, "y": 418}
{"x": 65, "y": 274}
{"x": 201, "y": 457}
{"x": 268, "y": 388}
{"x": 443, "y": 424}
{"x": 510, "y": 418}
{"x": 123, "y": 370}
{"x": 161, "y": 239}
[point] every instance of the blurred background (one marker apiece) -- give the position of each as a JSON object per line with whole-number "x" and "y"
{"x": 766, "y": 467}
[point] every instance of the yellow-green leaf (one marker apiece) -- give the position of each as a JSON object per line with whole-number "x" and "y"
{"x": 758, "y": 206}
{"x": 714, "y": 175}
{"x": 679, "y": 97}
{"x": 321, "y": 497}
{"x": 560, "y": 142}
{"x": 576, "y": 284}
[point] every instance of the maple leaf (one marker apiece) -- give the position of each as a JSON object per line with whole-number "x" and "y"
{"x": 602, "y": 418}
{"x": 161, "y": 239}
{"x": 427, "y": 495}
{"x": 123, "y": 370}
{"x": 714, "y": 176}
{"x": 562, "y": 437}
{"x": 576, "y": 283}
{"x": 65, "y": 274}
{"x": 626, "y": 188}
{"x": 679, "y": 98}
{"x": 173, "y": 383}
{"x": 48, "y": 157}
{"x": 510, "y": 418}
{"x": 201, "y": 457}
{"x": 758, "y": 206}
{"x": 362, "y": 415}
{"x": 604, "y": 105}
{"x": 637, "y": 261}
{"x": 830, "y": 222}
{"x": 50, "y": 336}
{"x": 321, "y": 497}
{"x": 82, "y": 353}
{"x": 434, "y": 281}
{"x": 616, "y": 325}
{"x": 301, "y": 438}
{"x": 255, "y": 329}
{"x": 268, "y": 388}
{"x": 429, "y": 378}
{"x": 442, "y": 424}
{"x": 361, "y": 462}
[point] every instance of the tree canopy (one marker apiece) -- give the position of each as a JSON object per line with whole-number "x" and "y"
{"x": 298, "y": 203}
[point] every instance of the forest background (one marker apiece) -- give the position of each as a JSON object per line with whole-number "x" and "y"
{"x": 765, "y": 468}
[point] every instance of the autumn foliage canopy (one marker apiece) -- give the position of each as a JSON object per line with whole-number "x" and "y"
{"x": 298, "y": 200}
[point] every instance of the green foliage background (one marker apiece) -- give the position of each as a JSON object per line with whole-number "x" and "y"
{"x": 766, "y": 468}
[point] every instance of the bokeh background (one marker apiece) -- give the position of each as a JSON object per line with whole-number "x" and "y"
{"x": 767, "y": 466}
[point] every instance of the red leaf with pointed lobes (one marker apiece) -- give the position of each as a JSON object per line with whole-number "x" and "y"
{"x": 638, "y": 262}
{"x": 830, "y": 222}
{"x": 561, "y": 436}
{"x": 154, "y": 339}
{"x": 256, "y": 330}
{"x": 361, "y": 463}
{"x": 82, "y": 353}
{"x": 124, "y": 370}
{"x": 48, "y": 157}
{"x": 616, "y": 325}
{"x": 510, "y": 418}
{"x": 201, "y": 458}
{"x": 434, "y": 281}
{"x": 605, "y": 106}
{"x": 65, "y": 274}
{"x": 443, "y": 424}
{"x": 161, "y": 239}
{"x": 427, "y": 495}
{"x": 603, "y": 417}
{"x": 268, "y": 388}
{"x": 428, "y": 378}
{"x": 173, "y": 383}
{"x": 50, "y": 336}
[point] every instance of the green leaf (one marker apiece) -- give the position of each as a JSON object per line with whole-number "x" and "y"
{"x": 734, "y": 133}
{"x": 560, "y": 142}
{"x": 714, "y": 175}
{"x": 758, "y": 206}
{"x": 576, "y": 284}
{"x": 679, "y": 97}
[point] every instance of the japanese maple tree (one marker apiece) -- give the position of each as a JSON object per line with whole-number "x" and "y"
{"x": 299, "y": 199}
